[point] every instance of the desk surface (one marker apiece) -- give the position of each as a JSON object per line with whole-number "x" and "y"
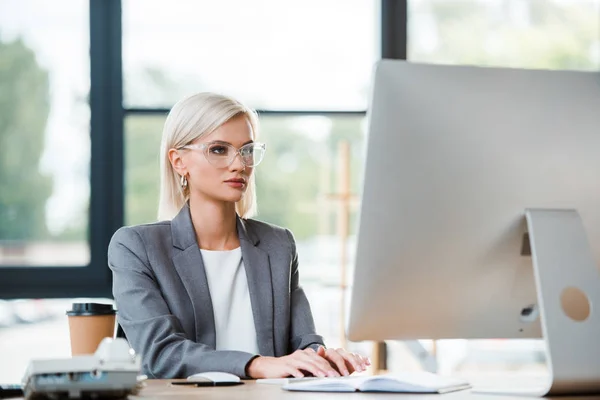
{"x": 250, "y": 390}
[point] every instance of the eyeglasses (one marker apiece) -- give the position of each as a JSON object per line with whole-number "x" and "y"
{"x": 221, "y": 154}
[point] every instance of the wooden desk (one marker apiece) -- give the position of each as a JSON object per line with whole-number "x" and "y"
{"x": 250, "y": 390}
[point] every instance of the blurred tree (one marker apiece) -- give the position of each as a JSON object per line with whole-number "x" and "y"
{"x": 24, "y": 108}
{"x": 142, "y": 178}
{"x": 350, "y": 130}
{"x": 153, "y": 87}
{"x": 287, "y": 180}
{"x": 512, "y": 33}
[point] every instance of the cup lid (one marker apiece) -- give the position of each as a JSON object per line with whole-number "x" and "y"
{"x": 88, "y": 309}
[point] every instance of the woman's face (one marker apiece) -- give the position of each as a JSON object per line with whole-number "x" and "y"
{"x": 206, "y": 175}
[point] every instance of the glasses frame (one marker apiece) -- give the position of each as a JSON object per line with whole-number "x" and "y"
{"x": 238, "y": 152}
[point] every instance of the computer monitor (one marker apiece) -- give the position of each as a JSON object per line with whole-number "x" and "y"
{"x": 456, "y": 155}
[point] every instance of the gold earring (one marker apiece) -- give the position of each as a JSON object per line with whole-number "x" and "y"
{"x": 183, "y": 181}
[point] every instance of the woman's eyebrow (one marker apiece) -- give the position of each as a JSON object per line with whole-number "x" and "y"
{"x": 224, "y": 142}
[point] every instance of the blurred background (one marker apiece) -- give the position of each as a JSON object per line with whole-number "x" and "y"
{"x": 85, "y": 87}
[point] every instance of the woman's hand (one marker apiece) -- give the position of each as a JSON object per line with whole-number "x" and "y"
{"x": 297, "y": 364}
{"x": 345, "y": 363}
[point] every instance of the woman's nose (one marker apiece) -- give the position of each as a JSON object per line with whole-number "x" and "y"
{"x": 237, "y": 163}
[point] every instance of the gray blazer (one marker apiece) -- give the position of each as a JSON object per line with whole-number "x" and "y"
{"x": 164, "y": 305}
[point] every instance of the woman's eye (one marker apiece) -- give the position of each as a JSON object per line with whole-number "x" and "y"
{"x": 247, "y": 151}
{"x": 219, "y": 150}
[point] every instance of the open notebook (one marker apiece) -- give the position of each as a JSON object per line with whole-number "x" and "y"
{"x": 404, "y": 382}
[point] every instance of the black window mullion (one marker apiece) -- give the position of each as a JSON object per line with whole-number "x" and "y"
{"x": 106, "y": 104}
{"x": 165, "y": 111}
{"x": 394, "y": 29}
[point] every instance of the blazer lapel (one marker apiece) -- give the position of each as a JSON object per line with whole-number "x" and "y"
{"x": 187, "y": 260}
{"x": 260, "y": 287}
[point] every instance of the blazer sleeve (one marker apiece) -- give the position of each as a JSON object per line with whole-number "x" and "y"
{"x": 151, "y": 329}
{"x": 302, "y": 332}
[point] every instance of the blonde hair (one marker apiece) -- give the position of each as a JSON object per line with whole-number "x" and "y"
{"x": 192, "y": 118}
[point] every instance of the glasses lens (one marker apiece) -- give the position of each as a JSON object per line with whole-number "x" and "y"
{"x": 220, "y": 155}
{"x": 253, "y": 154}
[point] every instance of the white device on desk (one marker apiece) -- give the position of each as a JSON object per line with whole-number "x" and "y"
{"x": 111, "y": 372}
{"x": 214, "y": 377}
{"x": 481, "y": 189}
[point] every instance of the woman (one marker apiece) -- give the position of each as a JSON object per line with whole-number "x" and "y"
{"x": 207, "y": 288}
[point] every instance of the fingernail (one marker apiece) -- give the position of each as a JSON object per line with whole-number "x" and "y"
{"x": 346, "y": 373}
{"x": 320, "y": 374}
{"x": 331, "y": 374}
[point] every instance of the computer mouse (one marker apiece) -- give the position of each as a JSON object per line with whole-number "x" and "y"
{"x": 214, "y": 377}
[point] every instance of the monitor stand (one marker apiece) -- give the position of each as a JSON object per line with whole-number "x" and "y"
{"x": 568, "y": 292}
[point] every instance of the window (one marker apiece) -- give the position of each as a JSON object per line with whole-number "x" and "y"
{"x": 314, "y": 55}
{"x": 552, "y": 34}
{"x": 142, "y": 165}
{"x": 56, "y": 204}
{"x": 44, "y": 134}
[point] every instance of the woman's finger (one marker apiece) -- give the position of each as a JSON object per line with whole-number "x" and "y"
{"x": 295, "y": 372}
{"x": 338, "y": 360}
{"x": 321, "y": 351}
{"x": 306, "y": 365}
{"x": 321, "y": 363}
{"x": 365, "y": 360}
{"x": 361, "y": 360}
{"x": 331, "y": 370}
{"x": 350, "y": 359}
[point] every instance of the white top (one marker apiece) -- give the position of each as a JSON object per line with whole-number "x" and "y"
{"x": 228, "y": 285}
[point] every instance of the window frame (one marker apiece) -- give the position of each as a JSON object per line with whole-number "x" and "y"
{"x": 107, "y": 174}
{"x": 106, "y": 181}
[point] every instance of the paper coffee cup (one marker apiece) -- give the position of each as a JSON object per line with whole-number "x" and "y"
{"x": 89, "y": 323}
